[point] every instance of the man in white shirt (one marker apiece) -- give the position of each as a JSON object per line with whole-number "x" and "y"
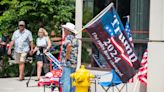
{"x": 23, "y": 41}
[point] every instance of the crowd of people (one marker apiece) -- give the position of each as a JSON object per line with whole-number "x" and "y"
{"x": 22, "y": 41}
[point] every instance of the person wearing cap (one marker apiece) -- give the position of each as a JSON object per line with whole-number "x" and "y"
{"x": 43, "y": 44}
{"x": 23, "y": 41}
{"x": 69, "y": 56}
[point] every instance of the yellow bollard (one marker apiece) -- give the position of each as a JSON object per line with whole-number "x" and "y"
{"x": 81, "y": 79}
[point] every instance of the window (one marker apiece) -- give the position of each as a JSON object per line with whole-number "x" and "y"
{"x": 139, "y": 20}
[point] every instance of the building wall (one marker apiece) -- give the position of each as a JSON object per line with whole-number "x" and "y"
{"x": 155, "y": 47}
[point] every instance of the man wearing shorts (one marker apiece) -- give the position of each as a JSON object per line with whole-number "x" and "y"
{"x": 23, "y": 41}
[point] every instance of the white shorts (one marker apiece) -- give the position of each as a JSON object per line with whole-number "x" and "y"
{"x": 20, "y": 57}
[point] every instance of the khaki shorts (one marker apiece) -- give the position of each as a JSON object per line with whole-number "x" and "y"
{"x": 20, "y": 57}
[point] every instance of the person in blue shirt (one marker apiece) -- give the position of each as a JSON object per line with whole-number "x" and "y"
{"x": 69, "y": 56}
{"x": 23, "y": 41}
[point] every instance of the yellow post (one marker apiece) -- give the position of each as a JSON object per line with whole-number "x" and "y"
{"x": 81, "y": 79}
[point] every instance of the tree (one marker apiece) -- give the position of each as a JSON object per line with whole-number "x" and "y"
{"x": 50, "y": 13}
{"x": 36, "y": 13}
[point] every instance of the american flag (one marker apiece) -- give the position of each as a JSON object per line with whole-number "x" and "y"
{"x": 128, "y": 32}
{"x": 107, "y": 32}
{"x": 142, "y": 74}
{"x": 129, "y": 35}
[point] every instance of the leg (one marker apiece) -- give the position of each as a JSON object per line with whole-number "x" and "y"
{"x": 46, "y": 64}
{"x": 72, "y": 87}
{"x": 21, "y": 65}
{"x": 39, "y": 69}
{"x": 66, "y": 80}
{"x": 21, "y": 70}
{"x": 17, "y": 61}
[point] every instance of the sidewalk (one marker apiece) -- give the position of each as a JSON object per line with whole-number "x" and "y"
{"x": 13, "y": 85}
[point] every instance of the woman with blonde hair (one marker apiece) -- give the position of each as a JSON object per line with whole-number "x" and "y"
{"x": 43, "y": 44}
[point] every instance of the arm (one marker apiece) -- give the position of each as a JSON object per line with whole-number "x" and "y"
{"x": 68, "y": 51}
{"x": 3, "y": 43}
{"x": 31, "y": 47}
{"x": 31, "y": 43}
{"x": 35, "y": 49}
{"x": 10, "y": 47}
{"x": 11, "y": 44}
{"x": 48, "y": 45}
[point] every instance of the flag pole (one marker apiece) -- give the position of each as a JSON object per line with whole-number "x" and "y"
{"x": 95, "y": 18}
{"x": 78, "y": 24}
{"x": 99, "y": 15}
{"x": 135, "y": 86}
{"x": 128, "y": 17}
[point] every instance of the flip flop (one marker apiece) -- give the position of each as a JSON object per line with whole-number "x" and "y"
{"x": 20, "y": 79}
{"x": 37, "y": 79}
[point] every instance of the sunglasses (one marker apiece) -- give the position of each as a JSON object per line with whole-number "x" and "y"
{"x": 21, "y": 25}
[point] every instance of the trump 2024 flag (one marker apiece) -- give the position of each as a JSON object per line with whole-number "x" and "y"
{"x": 107, "y": 32}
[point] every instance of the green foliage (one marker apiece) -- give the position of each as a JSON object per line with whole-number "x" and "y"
{"x": 50, "y": 13}
{"x": 8, "y": 70}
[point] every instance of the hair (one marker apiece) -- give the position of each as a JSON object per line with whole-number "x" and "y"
{"x": 44, "y": 31}
{"x": 21, "y": 22}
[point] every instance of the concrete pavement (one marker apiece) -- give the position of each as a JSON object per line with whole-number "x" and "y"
{"x": 13, "y": 85}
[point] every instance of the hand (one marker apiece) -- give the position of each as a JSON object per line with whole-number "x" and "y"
{"x": 60, "y": 67}
{"x": 31, "y": 52}
{"x": 45, "y": 51}
{"x": 67, "y": 56}
{"x": 35, "y": 49}
{"x": 9, "y": 52}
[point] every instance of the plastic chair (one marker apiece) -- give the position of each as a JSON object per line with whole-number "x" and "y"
{"x": 114, "y": 82}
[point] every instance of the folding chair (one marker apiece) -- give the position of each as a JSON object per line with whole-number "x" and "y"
{"x": 53, "y": 78}
{"x": 106, "y": 84}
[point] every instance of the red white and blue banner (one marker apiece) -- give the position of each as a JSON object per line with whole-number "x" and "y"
{"x": 142, "y": 74}
{"x": 107, "y": 32}
{"x": 128, "y": 32}
{"x": 129, "y": 36}
{"x": 53, "y": 59}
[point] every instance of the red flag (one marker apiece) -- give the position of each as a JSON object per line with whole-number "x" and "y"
{"x": 142, "y": 74}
